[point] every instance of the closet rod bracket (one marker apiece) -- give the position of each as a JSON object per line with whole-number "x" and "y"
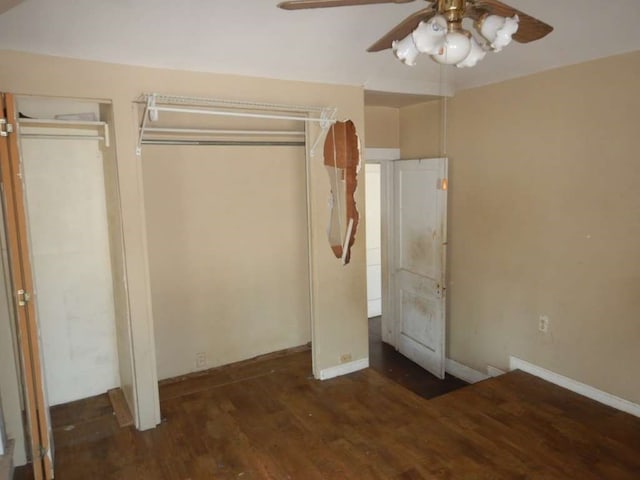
{"x": 148, "y": 108}
{"x": 327, "y": 119}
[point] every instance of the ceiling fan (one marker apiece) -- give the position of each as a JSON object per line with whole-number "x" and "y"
{"x": 437, "y": 29}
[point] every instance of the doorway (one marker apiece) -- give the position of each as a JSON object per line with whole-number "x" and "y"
{"x": 413, "y": 252}
{"x": 66, "y": 207}
{"x": 226, "y": 211}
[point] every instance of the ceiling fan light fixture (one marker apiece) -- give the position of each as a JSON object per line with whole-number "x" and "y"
{"x": 457, "y": 47}
{"x": 437, "y": 29}
{"x": 476, "y": 54}
{"x": 498, "y": 30}
{"x": 429, "y": 37}
{"x": 405, "y": 50}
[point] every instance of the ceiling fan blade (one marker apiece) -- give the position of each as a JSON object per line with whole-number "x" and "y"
{"x": 302, "y": 4}
{"x": 403, "y": 29}
{"x": 529, "y": 29}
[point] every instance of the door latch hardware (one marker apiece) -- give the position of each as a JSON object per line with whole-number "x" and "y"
{"x": 23, "y": 297}
{"x": 5, "y": 127}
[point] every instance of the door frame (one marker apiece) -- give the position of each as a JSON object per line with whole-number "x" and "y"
{"x": 385, "y": 157}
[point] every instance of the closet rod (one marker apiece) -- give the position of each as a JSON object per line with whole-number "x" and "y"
{"x": 223, "y": 132}
{"x": 237, "y": 114}
{"x": 60, "y": 137}
{"x": 220, "y": 103}
{"x": 60, "y": 123}
{"x": 214, "y": 107}
{"x": 235, "y": 143}
{"x": 35, "y": 123}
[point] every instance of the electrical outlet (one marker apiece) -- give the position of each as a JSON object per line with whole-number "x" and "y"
{"x": 345, "y": 358}
{"x": 543, "y": 323}
{"x": 201, "y": 360}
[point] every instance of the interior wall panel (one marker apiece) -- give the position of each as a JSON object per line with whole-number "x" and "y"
{"x": 228, "y": 253}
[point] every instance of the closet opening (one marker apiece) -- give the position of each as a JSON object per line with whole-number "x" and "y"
{"x": 227, "y": 222}
{"x": 73, "y": 250}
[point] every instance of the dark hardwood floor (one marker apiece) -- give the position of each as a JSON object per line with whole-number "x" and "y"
{"x": 385, "y": 359}
{"x": 269, "y": 419}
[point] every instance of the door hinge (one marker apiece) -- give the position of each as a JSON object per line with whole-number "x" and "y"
{"x": 5, "y": 127}
{"x": 23, "y": 297}
{"x": 42, "y": 452}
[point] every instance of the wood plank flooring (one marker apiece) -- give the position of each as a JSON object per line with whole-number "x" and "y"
{"x": 271, "y": 420}
{"x": 386, "y": 360}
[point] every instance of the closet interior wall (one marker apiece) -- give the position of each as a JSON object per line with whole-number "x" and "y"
{"x": 228, "y": 248}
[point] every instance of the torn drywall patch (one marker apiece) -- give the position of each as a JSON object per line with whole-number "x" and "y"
{"x": 342, "y": 160}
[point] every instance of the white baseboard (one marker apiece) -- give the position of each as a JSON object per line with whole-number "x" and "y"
{"x": 575, "y": 386}
{"x": 463, "y": 372}
{"x": 494, "y": 371}
{"x": 344, "y": 369}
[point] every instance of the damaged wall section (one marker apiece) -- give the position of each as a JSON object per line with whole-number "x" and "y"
{"x": 342, "y": 160}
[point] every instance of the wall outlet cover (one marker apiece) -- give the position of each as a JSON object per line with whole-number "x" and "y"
{"x": 201, "y": 360}
{"x": 543, "y": 323}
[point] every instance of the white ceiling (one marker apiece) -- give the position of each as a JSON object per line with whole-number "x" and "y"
{"x": 253, "y": 37}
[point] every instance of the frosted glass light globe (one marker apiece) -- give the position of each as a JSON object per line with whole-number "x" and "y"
{"x": 476, "y": 54}
{"x": 456, "y": 48}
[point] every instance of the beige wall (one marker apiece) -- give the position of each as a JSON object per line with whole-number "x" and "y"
{"x": 383, "y": 127}
{"x": 338, "y": 294}
{"x": 544, "y": 220}
{"x": 421, "y": 130}
{"x": 228, "y": 252}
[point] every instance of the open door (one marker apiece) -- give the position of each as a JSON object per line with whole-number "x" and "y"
{"x": 37, "y": 408}
{"x": 418, "y": 240}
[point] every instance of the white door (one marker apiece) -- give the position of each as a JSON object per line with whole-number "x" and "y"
{"x": 419, "y": 247}
{"x": 374, "y": 263}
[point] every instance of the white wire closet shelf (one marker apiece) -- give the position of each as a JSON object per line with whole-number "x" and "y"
{"x": 154, "y": 104}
